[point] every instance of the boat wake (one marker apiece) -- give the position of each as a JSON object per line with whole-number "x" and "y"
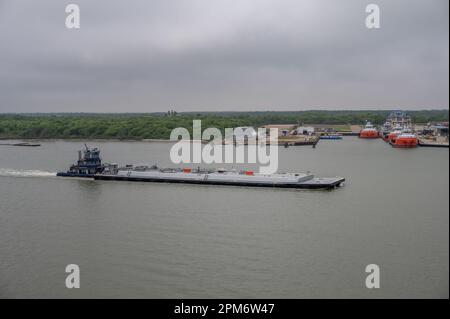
{"x": 25, "y": 173}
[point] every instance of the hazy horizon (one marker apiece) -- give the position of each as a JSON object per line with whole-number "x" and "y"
{"x": 231, "y": 111}
{"x": 217, "y": 56}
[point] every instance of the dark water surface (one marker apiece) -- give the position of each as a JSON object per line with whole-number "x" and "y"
{"x": 175, "y": 241}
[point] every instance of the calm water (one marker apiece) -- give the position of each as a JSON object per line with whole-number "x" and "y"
{"x": 175, "y": 241}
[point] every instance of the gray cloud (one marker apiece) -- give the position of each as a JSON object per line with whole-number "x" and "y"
{"x": 145, "y": 56}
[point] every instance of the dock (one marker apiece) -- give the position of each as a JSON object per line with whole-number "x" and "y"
{"x": 292, "y": 140}
{"x": 431, "y": 143}
{"x": 298, "y": 140}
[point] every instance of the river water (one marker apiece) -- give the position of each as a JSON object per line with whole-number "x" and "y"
{"x": 144, "y": 240}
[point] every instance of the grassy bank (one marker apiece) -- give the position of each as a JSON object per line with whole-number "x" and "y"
{"x": 159, "y": 125}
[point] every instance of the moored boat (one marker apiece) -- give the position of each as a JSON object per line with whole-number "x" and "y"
{"x": 369, "y": 131}
{"x": 396, "y": 123}
{"x": 385, "y": 130}
{"x": 406, "y": 139}
{"x": 393, "y": 134}
{"x": 331, "y": 136}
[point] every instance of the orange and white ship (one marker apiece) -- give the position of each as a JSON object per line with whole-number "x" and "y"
{"x": 406, "y": 139}
{"x": 395, "y": 123}
{"x": 369, "y": 131}
{"x": 393, "y": 134}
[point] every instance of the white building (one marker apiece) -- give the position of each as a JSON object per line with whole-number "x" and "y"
{"x": 305, "y": 130}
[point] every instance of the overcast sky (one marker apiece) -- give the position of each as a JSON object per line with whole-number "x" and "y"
{"x": 222, "y": 55}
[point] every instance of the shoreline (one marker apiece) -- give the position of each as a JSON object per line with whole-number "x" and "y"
{"x": 35, "y": 139}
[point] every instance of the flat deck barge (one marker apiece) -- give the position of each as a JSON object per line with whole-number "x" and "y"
{"x": 89, "y": 165}
{"x": 243, "y": 178}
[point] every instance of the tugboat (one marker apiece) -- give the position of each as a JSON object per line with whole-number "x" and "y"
{"x": 89, "y": 163}
{"x": 369, "y": 131}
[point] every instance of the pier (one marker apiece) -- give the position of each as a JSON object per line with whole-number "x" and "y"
{"x": 423, "y": 142}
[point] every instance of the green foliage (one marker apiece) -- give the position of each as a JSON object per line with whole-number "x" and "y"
{"x": 159, "y": 125}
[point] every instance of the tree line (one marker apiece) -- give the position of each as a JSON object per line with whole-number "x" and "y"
{"x": 159, "y": 125}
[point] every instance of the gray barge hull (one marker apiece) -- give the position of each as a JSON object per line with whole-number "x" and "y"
{"x": 315, "y": 183}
